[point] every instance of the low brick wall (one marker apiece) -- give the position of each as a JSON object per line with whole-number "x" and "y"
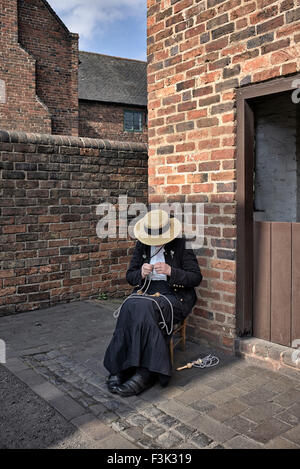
{"x": 50, "y": 187}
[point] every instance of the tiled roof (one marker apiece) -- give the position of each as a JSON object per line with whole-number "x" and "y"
{"x": 112, "y": 79}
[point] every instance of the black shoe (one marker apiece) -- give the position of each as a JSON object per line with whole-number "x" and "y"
{"x": 113, "y": 381}
{"x": 164, "y": 380}
{"x": 134, "y": 386}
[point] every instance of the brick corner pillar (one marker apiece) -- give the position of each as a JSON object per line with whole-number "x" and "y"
{"x": 20, "y": 108}
{"x": 74, "y": 39}
{"x": 55, "y": 49}
{"x": 199, "y": 54}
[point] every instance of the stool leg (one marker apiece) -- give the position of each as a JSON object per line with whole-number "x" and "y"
{"x": 172, "y": 351}
{"x": 183, "y": 335}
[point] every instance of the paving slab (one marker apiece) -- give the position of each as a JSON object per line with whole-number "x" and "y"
{"x": 262, "y": 412}
{"x": 288, "y": 417}
{"x": 242, "y": 442}
{"x": 168, "y": 440}
{"x": 192, "y": 395}
{"x": 117, "y": 442}
{"x": 92, "y": 427}
{"x": 227, "y": 410}
{"x": 16, "y": 365}
{"x": 214, "y": 429}
{"x": 281, "y": 443}
{"x": 293, "y": 435}
{"x": 183, "y": 413}
{"x": 241, "y": 424}
{"x": 288, "y": 398}
{"x": 268, "y": 430}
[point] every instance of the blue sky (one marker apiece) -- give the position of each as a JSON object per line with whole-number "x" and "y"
{"x": 112, "y": 27}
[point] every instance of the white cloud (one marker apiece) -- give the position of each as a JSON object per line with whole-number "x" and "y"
{"x": 87, "y": 17}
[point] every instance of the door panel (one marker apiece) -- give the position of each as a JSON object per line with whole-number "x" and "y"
{"x": 262, "y": 284}
{"x": 281, "y": 282}
{"x": 295, "y": 281}
{"x": 276, "y": 282}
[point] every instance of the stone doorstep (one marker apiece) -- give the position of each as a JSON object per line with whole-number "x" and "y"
{"x": 270, "y": 355}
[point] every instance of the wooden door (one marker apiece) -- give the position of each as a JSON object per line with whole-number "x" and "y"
{"x": 276, "y": 281}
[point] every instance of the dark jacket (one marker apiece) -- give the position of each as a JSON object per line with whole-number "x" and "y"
{"x": 185, "y": 271}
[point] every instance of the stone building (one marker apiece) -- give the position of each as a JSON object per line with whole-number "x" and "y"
{"x": 39, "y": 69}
{"x": 223, "y": 79}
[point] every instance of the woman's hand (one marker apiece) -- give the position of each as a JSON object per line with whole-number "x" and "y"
{"x": 162, "y": 268}
{"x": 146, "y": 270}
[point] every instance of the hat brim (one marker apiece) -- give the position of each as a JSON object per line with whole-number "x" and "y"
{"x": 167, "y": 237}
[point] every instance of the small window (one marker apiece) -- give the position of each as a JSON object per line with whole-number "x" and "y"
{"x": 133, "y": 121}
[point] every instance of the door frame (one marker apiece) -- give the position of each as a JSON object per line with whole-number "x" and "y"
{"x": 244, "y": 193}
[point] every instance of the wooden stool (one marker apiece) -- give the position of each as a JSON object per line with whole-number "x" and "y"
{"x": 179, "y": 330}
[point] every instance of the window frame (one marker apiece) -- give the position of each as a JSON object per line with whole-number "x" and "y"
{"x": 135, "y": 111}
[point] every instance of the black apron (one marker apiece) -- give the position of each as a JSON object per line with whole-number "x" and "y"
{"x": 138, "y": 339}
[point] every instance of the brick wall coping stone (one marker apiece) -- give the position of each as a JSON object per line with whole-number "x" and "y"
{"x": 64, "y": 140}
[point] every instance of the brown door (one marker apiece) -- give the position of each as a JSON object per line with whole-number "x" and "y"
{"x": 276, "y": 286}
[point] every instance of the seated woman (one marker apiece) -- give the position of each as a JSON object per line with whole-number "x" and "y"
{"x": 164, "y": 274}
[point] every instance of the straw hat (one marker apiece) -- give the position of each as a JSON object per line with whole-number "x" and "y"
{"x": 157, "y": 228}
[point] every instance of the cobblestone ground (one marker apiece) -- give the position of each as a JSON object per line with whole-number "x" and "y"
{"x": 58, "y": 353}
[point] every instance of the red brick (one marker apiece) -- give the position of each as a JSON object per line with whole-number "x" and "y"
{"x": 289, "y": 68}
{"x": 222, "y": 154}
{"x": 7, "y": 273}
{"x": 171, "y": 189}
{"x": 176, "y": 179}
{"x": 14, "y": 229}
{"x": 7, "y": 291}
{"x": 203, "y": 187}
{"x": 187, "y": 168}
{"x": 209, "y": 166}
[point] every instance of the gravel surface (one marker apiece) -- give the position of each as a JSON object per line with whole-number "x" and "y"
{"x": 26, "y": 421}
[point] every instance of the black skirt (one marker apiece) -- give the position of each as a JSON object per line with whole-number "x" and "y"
{"x": 139, "y": 339}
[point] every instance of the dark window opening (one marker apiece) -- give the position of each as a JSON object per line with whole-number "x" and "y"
{"x": 133, "y": 121}
{"x": 277, "y": 159}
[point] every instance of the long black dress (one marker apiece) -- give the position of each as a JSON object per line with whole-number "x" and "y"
{"x": 139, "y": 339}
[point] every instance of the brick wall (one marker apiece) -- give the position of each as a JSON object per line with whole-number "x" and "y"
{"x": 20, "y": 107}
{"x": 55, "y": 49}
{"x": 199, "y": 53}
{"x": 50, "y": 187}
{"x": 100, "y": 120}
{"x": 39, "y": 69}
